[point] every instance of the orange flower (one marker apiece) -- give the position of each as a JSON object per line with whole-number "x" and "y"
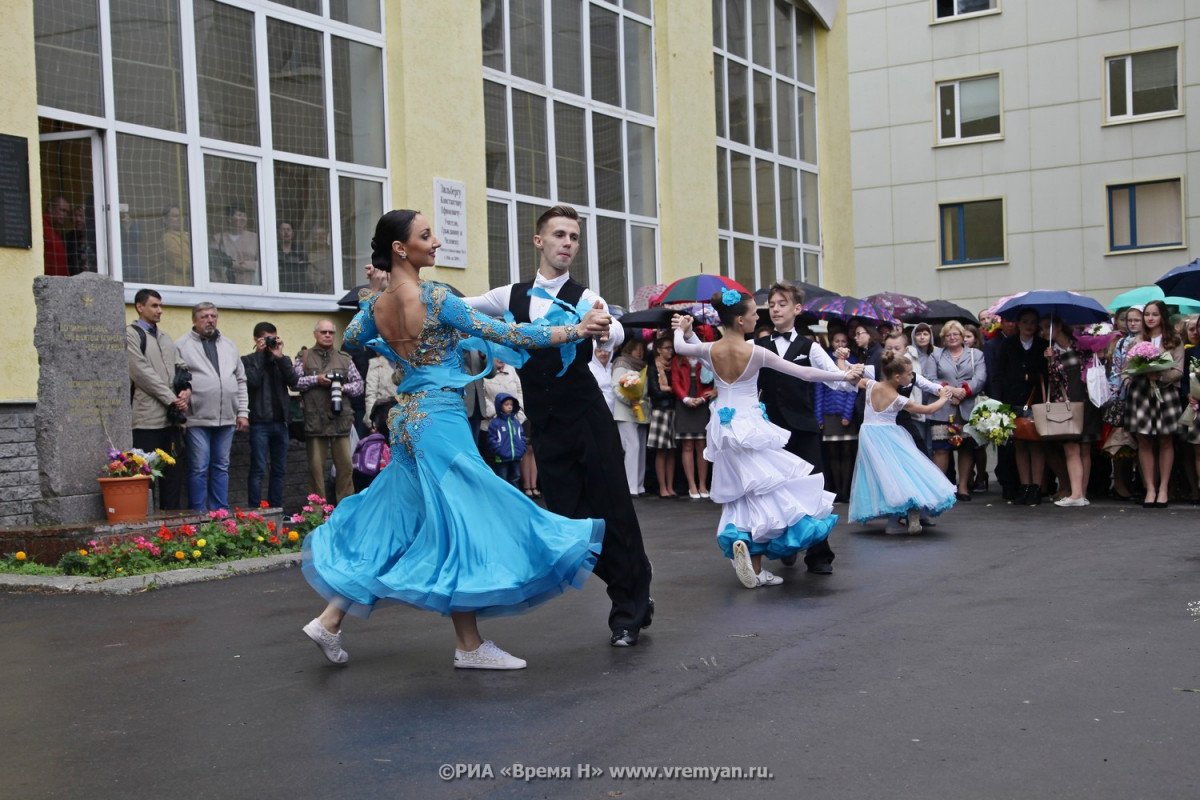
{"x": 179, "y": 555}
{"x": 21, "y": 555}
{"x": 293, "y": 536}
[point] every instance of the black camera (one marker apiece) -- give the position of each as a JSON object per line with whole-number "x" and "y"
{"x": 181, "y": 381}
{"x": 270, "y": 342}
{"x": 336, "y": 381}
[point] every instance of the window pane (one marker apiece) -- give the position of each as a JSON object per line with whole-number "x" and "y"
{"x": 499, "y": 260}
{"x": 766, "y": 268}
{"x": 66, "y": 37}
{"x": 739, "y": 110}
{"x": 606, "y": 69}
{"x": 360, "y": 207}
{"x": 1122, "y": 230}
{"x": 743, "y": 263}
{"x": 231, "y": 195}
{"x": 984, "y": 230}
{"x": 495, "y": 115}
{"x": 639, "y": 68}
{"x": 638, "y": 7}
{"x": 760, "y": 36}
{"x": 722, "y": 190}
{"x": 805, "y": 68}
{"x": 570, "y": 146}
{"x": 525, "y": 35}
{"x": 1117, "y": 105}
{"x": 311, "y": 6}
{"x": 719, "y": 93}
{"x": 567, "y": 39}
{"x": 742, "y": 199}
{"x": 492, "y": 23}
{"x": 642, "y": 195}
{"x": 718, "y": 24}
{"x": 735, "y": 27}
{"x": 948, "y": 115}
{"x": 810, "y": 217}
{"x": 793, "y": 265}
{"x": 68, "y": 192}
{"x": 153, "y": 182}
{"x": 1155, "y": 83}
{"x": 147, "y": 79}
{"x": 762, "y": 112}
{"x": 610, "y": 179}
{"x": 358, "y": 102}
{"x": 785, "y": 118}
{"x": 610, "y": 245}
{"x": 643, "y": 266}
{"x": 723, "y": 256}
{"x": 302, "y": 199}
{"x": 765, "y": 177}
{"x": 297, "y": 72}
{"x": 532, "y": 165}
{"x": 789, "y": 205}
{"x": 808, "y": 126}
{"x": 785, "y": 51}
{"x": 360, "y": 13}
{"x": 951, "y": 244}
{"x": 527, "y": 261}
{"x": 812, "y": 268}
{"x": 1159, "y": 216}
{"x": 979, "y": 106}
{"x": 226, "y": 79}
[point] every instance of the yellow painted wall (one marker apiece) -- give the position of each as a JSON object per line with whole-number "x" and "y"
{"x": 18, "y": 268}
{"x": 687, "y": 132}
{"x": 833, "y": 137}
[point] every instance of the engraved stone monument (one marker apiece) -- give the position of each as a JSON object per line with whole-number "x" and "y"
{"x": 83, "y": 392}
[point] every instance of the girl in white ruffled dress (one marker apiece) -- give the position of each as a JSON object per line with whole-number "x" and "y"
{"x": 774, "y": 505}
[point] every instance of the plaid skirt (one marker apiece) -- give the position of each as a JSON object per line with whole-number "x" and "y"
{"x": 662, "y": 429}
{"x": 1147, "y": 414}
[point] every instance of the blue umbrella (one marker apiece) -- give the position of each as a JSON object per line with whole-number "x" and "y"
{"x": 1071, "y": 308}
{"x": 1182, "y": 281}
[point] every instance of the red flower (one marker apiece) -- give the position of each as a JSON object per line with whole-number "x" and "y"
{"x": 271, "y": 527}
{"x": 264, "y": 504}
{"x": 273, "y": 540}
{"x": 241, "y": 514}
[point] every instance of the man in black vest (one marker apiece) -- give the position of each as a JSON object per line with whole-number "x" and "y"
{"x": 789, "y": 401}
{"x": 578, "y": 450}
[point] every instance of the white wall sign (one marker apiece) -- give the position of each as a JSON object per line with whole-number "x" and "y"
{"x": 450, "y": 222}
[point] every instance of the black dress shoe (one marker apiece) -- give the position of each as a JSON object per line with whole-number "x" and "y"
{"x": 822, "y": 568}
{"x": 1161, "y": 505}
{"x": 623, "y": 638}
{"x": 788, "y": 561}
{"x": 960, "y": 496}
{"x": 649, "y": 618}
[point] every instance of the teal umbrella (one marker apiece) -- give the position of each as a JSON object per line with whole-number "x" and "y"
{"x": 1136, "y": 297}
{"x": 1186, "y": 305}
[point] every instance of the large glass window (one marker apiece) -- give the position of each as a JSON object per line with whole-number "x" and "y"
{"x": 1143, "y": 84}
{"x": 1144, "y": 215}
{"x": 585, "y": 136}
{"x": 969, "y": 109}
{"x": 248, "y": 139}
{"x": 972, "y": 232}
{"x": 767, "y": 214}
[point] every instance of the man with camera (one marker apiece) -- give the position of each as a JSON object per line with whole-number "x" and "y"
{"x": 328, "y": 377}
{"x": 161, "y": 386}
{"x": 269, "y": 373}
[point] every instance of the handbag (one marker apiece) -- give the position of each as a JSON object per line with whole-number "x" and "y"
{"x": 1023, "y": 427}
{"x": 1057, "y": 421}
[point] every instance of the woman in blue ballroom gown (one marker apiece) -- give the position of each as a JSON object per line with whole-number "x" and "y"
{"x": 437, "y": 529}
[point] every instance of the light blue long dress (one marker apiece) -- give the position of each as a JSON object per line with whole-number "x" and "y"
{"x": 437, "y": 529}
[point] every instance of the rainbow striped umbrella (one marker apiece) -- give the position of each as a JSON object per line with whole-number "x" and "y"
{"x": 697, "y": 289}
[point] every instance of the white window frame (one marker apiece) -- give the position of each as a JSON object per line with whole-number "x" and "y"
{"x": 1127, "y": 57}
{"x": 959, "y": 15}
{"x": 1135, "y": 248}
{"x": 727, "y": 236}
{"x": 232, "y": 296}
{"x": 1003, "y": 259}
{"x": 956, "y": 82}
{"x": 520, "y": 249}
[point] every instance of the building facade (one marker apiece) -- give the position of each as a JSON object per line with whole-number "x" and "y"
{"x": 1006, "y": 145}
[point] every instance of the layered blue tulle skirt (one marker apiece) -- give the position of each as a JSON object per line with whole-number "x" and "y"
{"x": 891, "y": 476}
{"x": 437, "y": 529}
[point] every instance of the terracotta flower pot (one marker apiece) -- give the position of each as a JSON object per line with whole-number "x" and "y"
{"x": 125, "y": 498}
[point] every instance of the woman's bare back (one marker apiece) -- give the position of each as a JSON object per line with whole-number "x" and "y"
{"x": 400, "y": 318}
{"x": 730, "y": 358}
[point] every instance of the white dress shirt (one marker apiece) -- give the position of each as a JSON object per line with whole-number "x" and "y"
{"x": 496, "y": 301}
{"x": 817, "y": 357}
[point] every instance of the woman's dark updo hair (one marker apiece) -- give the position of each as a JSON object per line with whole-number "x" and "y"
{"x": 728, "y": 314}
{"x": 394, "y": 226}
{"x": 894, "y": 364}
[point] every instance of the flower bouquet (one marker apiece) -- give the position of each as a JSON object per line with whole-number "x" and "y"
{"x": 632, "y": 386}
{"x": 1145, "y": 358}
{"x": 133, "y": 463}
{"x": 992, "y": 422}
{"x": 1096, "y": 338}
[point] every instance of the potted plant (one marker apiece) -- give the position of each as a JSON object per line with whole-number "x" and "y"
{"x": 126, "y": 482}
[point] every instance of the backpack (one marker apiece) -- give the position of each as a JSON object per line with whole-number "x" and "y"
{"x": 371, "y": 455}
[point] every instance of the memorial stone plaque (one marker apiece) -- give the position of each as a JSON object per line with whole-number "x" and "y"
{"x": 83, "y": 392}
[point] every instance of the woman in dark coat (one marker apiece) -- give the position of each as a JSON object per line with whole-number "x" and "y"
{"x": 1021, "y": 368}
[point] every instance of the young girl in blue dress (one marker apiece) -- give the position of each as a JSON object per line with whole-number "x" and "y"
{"x": 891, "y": 476}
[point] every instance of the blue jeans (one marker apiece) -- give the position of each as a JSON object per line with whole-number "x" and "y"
{"x": 267, "y": 438}
{"x": 208, "y": 467}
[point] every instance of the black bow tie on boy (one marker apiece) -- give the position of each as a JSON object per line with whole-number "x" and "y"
{"x": 782, "y": 335}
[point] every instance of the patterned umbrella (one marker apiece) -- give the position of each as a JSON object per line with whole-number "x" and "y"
{"x": 644, "y": 295}
{"x": 898, "y": 305}
{"x": 697, "y": 289}
{"x": 846, "y": 308}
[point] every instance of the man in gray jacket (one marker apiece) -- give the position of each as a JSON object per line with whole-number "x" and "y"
{"x": 219, "y": 405}
{"x": 153, "y": 360}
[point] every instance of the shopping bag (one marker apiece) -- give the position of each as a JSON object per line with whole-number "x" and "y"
{"x": 1099, "y": 392}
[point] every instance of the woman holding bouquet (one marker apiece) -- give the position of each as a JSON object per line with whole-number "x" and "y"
{"x": 1153, "y": 403}
{"x": 632, "y": 411}
{"x": 1066, "y": 366}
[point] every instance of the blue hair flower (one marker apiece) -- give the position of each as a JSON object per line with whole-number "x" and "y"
{"x": 731, "y": 297}
{"x": 726, "y": 414}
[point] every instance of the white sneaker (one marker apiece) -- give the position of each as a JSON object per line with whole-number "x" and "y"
{"x": 330, "y": 643}
{"x": 486, "y": 656}
{"x": 742, "y": 566}
{"x": 1072, "y": 502}
{"x": 914, "y": 520}
{"x": 766, "y": 578}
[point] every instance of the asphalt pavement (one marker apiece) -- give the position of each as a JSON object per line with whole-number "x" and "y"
{"x": 1007, "y": 653}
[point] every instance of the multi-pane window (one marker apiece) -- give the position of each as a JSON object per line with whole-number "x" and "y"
{"x": 1144, "y": 215}
{"x": 972, "y": 232}
{"x": 248, "y": 137}
{"x": 764, "y": 81}
{"x": 1143, "y": 84}
{"x": 569, "y": 112}
{"x": 969, "y": 108}
{"x": 949, "y": 9}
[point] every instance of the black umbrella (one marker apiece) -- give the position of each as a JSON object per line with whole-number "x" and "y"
{"x": 350, "y": 299}
{"x": 810, "y": 290}
{"x": 1182, "y": 281}
{"x": 942, "y": 311}
{"x": 657, "y": 317}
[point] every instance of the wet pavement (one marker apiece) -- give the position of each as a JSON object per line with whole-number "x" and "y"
{"x": 1006, "y": 653}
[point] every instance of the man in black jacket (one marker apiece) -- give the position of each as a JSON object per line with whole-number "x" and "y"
{"x": 269, "y": 374}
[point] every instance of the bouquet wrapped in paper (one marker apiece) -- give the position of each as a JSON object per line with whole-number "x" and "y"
{"x": 991, "y": 422}
{"x": 632, "y": 386}
{"x": 1146, "y": 358}
{"x": 1095, "y": 338}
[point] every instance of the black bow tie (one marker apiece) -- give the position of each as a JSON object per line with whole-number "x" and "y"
{"x": 781, "y": 334}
